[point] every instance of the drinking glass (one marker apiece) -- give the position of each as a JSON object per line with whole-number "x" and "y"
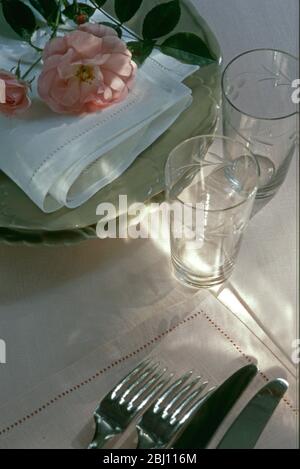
{"x": 210, "y": 187}
{"x": 259, "y": 111}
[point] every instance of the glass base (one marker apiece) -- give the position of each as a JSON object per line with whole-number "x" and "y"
{"x": 271, "y": 180}
{"x": 200, "y": 281}
{"x": 266, "y": 192}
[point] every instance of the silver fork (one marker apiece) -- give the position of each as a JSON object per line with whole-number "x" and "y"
{"x": 117, "y": 410}
{"x": 163, "y": 420}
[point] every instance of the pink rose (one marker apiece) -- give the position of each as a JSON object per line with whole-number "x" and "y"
{"x": 14, "y": 97}
{"x": 86, "y": 70}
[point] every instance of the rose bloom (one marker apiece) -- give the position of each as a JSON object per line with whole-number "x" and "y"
{"x": 14, "y": 97}
{"x": 86, "y": 70}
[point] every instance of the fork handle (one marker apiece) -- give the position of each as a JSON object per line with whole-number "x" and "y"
{"x": 145, "y": 444}
{"x": 145, "y": 441}
{"x": 99, "y": 441}
{"x": 103, "y": 433}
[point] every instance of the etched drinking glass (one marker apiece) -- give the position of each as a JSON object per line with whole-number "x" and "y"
{"x": 260, "y": 109}
{"x": 210, "y": 187}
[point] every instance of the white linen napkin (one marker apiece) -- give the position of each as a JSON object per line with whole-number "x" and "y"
{"x": 61, "y": 160}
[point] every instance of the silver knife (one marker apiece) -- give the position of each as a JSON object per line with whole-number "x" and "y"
{"x": 213, "y": 411}
{"x": 249, "y": 425}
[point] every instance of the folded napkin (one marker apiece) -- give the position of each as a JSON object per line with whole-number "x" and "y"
{"x": 60, "y": 160}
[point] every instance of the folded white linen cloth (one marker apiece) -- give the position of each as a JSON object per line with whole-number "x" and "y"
{"x": 60, "y": 160}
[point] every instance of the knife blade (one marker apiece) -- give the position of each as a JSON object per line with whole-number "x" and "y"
{"x": 249, "y": 425}
{"x": 212, "y": 412}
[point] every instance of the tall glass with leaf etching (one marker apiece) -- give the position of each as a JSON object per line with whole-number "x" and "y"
{"x": 260, "y": 111}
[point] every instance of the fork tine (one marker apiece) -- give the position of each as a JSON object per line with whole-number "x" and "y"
{"x": 196, "y": 405}
{"x": 134, "y": 372}
{"x": 155, "y": 391}
{"x": 146, "y": 374}
{"x": 189, "y": 399}
{"x": 181, "y": 392}
{"x": 148, "y": 385}
{"x": 177, "y": 384}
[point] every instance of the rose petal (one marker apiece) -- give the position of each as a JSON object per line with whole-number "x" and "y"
{"x": 57, "y": 46}
{"x": 113, "y": 80}
{"x": 119, "y": 64}
{"x": 98, "y": 30}
{"x": 86, "y": 45}
{"x": 72, "y": 93}
{"x": 45, "y": 83}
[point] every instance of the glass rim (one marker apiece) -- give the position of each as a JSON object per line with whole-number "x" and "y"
{"x": 264, "y": 49}
{"x": 219, "y": 137}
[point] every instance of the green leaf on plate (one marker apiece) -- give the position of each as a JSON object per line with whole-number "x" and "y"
{"x": 113, "y": 26}
{"x": 126, "y": 9}
{"x": 20, "y": 18}
{"x": 140, "y": 50}
{"x": 161, "y": 20}
{"x": 188, "y": 48}
{"x": 47, "y": 8}
{"x": 81, "y": 8}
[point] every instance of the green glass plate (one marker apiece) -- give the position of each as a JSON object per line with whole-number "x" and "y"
{"x": 22, "y": 222}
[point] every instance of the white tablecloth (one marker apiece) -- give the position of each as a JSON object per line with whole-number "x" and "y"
{"x": 57, "y": 413}
{"x": 90, "y": 312}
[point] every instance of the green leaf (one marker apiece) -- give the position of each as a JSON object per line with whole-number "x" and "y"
{"x": 126, "y": 9}
{"x": 188, "y": 48}
{"x": 100, "y": 3}
{"x": 113, "y": 26}
{"x": 20, "y": 18}
{"x": 162, "y": 20}
{"x": 47, "y": 8}
{"x": 81, "y": 8}
{"x": 140, "y": 50}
